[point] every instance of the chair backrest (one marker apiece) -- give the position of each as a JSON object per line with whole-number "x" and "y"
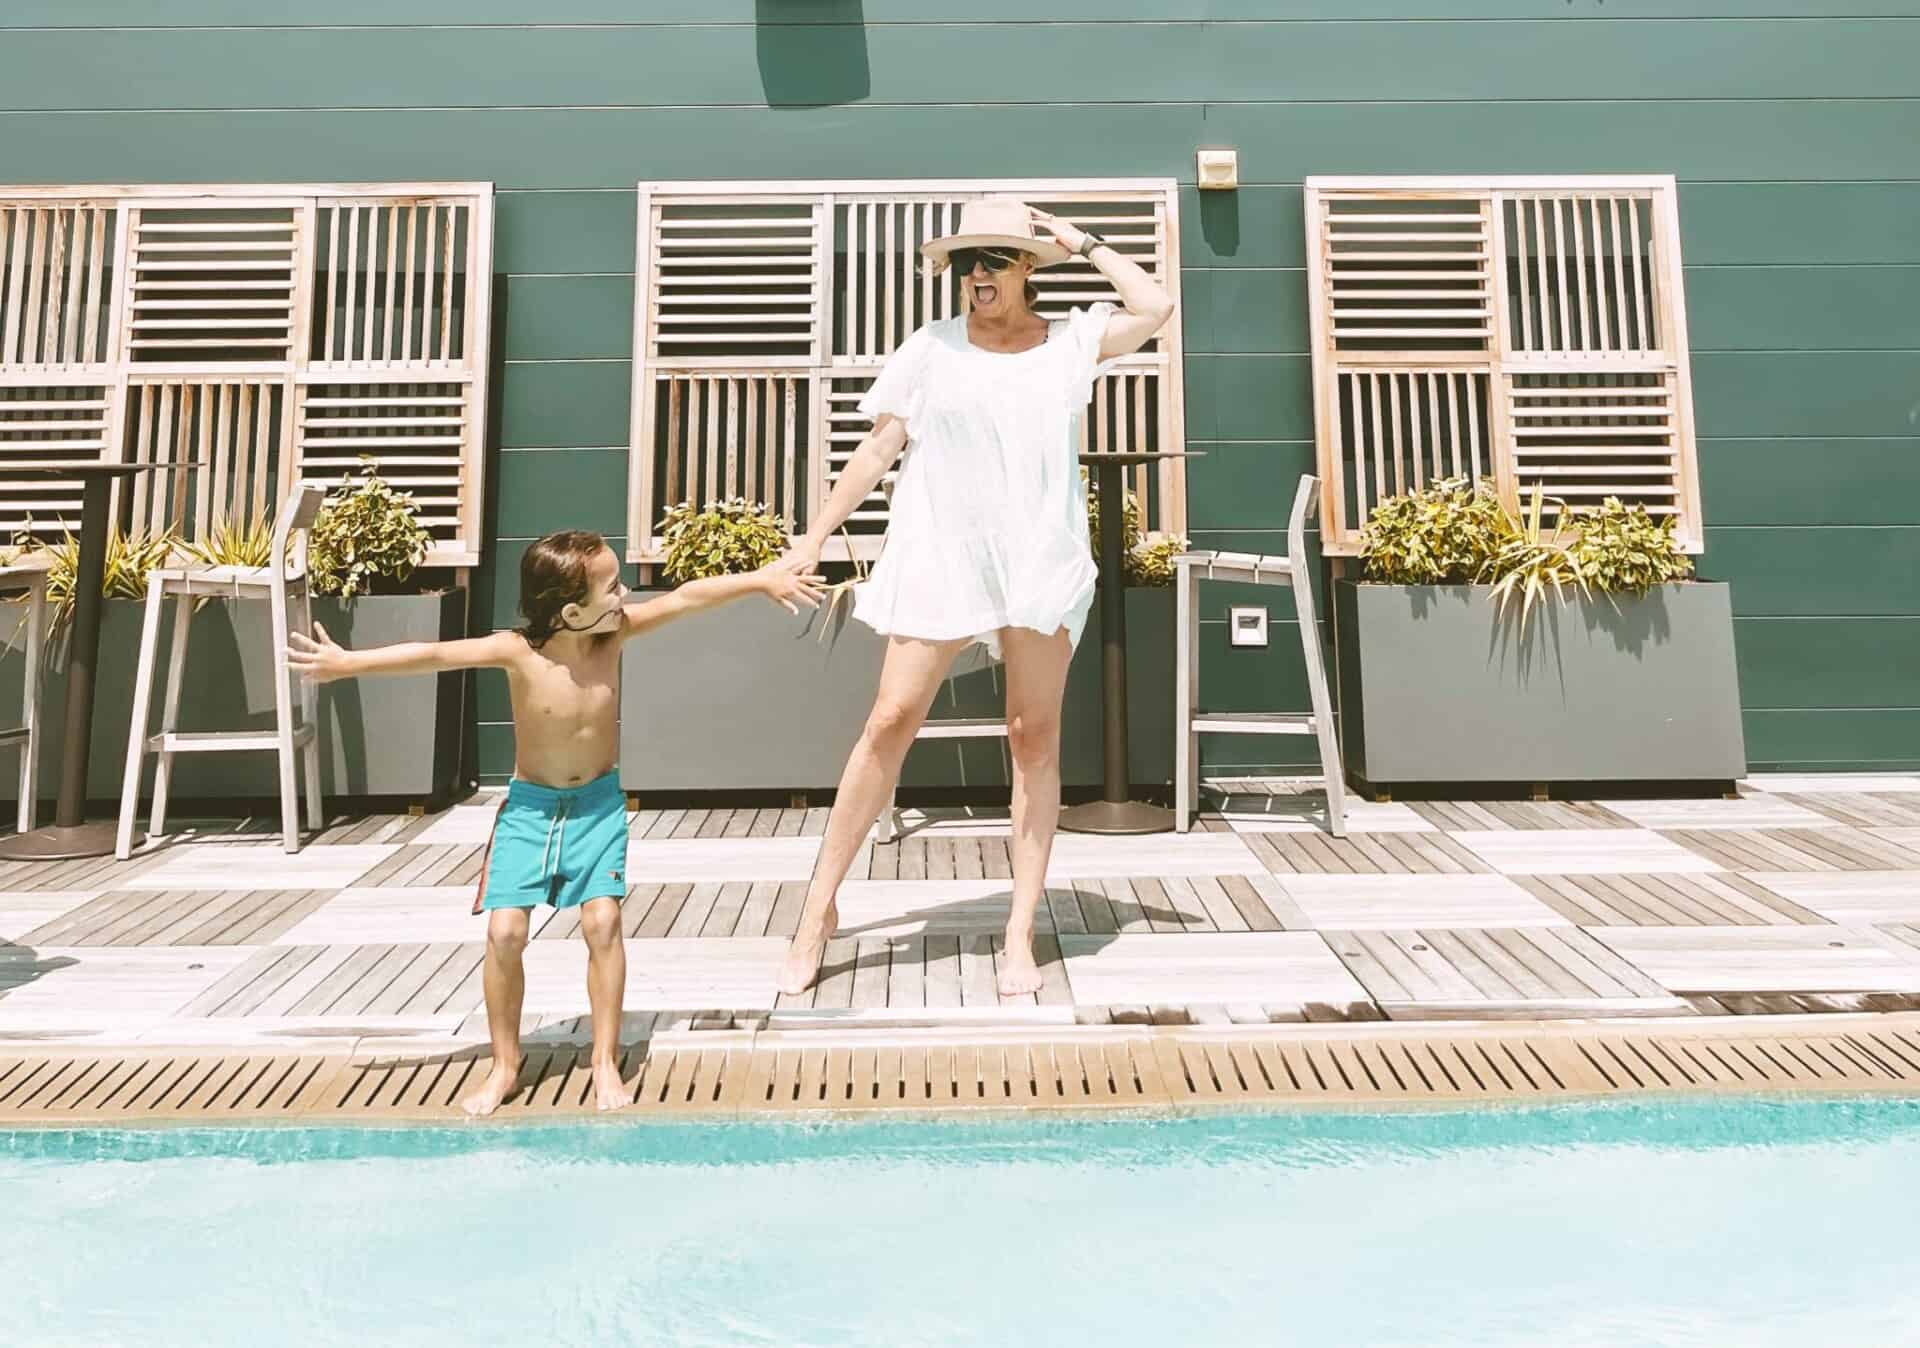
{"x": 297, "y": 514}
{"x": 1305, "y": 497}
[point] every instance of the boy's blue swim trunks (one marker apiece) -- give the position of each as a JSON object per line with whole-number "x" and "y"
{"x": 561, "y": 846}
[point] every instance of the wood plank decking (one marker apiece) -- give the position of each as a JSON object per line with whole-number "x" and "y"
{"x": 1801, "y": 896}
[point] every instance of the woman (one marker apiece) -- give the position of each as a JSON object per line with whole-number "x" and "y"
{"x": 988, "y": 539}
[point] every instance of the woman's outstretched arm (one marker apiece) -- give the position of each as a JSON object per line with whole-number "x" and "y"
{"x": 867, "y": 465}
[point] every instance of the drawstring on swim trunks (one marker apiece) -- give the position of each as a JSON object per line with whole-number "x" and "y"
{"x": 555, "y": 848}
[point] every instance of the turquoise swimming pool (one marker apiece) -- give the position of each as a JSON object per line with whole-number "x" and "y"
{"x": 1719, "y": 1223}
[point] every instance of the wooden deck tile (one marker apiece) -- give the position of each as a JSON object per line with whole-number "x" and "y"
{"x": 1582, "y": 851}
{"x": 1389, "y": 901}
{"x": 1780, "y": 959}
{"x": 370, "y": 914}
{"x": 1206, "y": 967}
{"x": 210, "y": 867}
{"x": 101, "y": 986}
{"x": 1860, "y": 898}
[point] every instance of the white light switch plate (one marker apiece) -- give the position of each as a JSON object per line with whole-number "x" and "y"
{"x": 1247, "y": 625}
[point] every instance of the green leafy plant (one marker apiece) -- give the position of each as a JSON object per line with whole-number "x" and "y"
{"x": 231, "y": 543}
{"x": 1147, "y": 561}
{"x": 724, "y": 539}
{"x": 1621, "y": 547}
{"x": 1443, "y": 535}
{"x": 366, "y": 533}
{"x": 1151, "y": 562}
{"x": 1130, "y": 526}
{"x": 1453, "y": 533}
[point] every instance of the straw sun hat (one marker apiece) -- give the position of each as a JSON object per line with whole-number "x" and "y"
{"x": 995, "y": 222}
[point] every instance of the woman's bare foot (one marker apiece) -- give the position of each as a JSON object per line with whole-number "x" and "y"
{"x": 609, "y": 1091}
{"x": 496, "y": 1090}
{"x": 808, "y": 949}
{"x": 1019, "y": 975}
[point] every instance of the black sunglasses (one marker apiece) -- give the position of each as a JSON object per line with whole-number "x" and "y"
{"x": 993, "y": 259}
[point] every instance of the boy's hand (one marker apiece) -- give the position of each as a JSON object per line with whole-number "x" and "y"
{"x": 791, "y": 589}
{"x": 318, "y": 657}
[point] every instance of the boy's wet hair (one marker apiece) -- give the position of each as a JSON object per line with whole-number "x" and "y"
{"x": 553, "y": 574}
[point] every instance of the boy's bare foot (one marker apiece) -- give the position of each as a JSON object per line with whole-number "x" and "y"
{"x": 609, "y": 1091}
{"x": 1019, "y": 975}
{"x": 808, "y": 949}
{"x": 496, "y": 1090}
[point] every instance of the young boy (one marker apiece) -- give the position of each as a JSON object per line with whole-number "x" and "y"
{"x": 561, "y": 837}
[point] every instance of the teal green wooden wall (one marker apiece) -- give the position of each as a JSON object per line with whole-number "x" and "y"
{"x": 1796, "y": 138}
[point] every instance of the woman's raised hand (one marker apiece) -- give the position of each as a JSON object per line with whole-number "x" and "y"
{"x": 1065, "y": 233}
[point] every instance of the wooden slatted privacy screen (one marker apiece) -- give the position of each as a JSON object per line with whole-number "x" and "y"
{"x": 763, "y": 312}
{"x": 1530, "y": 331}
{"x": 261, "y": 332}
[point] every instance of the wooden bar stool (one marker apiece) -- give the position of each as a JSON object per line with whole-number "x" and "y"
{"x": 26, "y": 735}
{"x": 284, "y": 584}
{"x": 1192, "y": 722}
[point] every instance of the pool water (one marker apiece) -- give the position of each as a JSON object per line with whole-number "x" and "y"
{"x": 1723, "y": 1223}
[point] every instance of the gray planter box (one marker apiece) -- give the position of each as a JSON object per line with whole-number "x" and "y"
{"x": 1435, "y": 687}
{"x": 382, "y": 737}
{"x": 737, "y": 698}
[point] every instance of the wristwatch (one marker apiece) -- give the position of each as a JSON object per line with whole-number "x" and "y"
{"x": 1089, "y": 241}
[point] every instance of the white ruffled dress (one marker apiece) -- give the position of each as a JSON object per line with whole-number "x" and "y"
{"x": 989, "y": 515}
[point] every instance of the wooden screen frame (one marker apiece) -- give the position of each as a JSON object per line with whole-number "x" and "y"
{"x": 131, "y": 386}
{"x": 811, "y": 362}
{"x": 1658, "y": 373}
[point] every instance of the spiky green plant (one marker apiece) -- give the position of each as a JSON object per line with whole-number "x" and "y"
{"x": 1530, "y": 561}
{"x": 233, "y": 543}
{"x": 129, "y": 558}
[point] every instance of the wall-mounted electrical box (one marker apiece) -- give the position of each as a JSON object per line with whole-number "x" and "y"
{"x": 1247, "y": 625}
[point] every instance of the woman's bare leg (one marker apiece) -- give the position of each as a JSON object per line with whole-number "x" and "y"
{"x": 1036, "y": 683}
{"x": 908, "y": 681}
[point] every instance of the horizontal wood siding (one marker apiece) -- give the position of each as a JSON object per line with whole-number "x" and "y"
{"x": 1799, "y": 188}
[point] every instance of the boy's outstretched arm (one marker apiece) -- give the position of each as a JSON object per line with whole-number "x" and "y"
{"x": 783, "y": 587}
{"x": 319, "y": 658}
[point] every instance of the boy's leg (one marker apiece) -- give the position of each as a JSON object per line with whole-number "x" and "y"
{"x": 606, "y": 990}
{"x": 486, "y": 862}
{"x": 504, "y": 977}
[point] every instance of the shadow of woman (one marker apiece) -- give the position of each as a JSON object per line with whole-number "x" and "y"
{"x": 22, "y": 965}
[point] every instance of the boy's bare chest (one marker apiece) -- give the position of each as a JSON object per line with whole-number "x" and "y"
{"x": 582, "y": 689}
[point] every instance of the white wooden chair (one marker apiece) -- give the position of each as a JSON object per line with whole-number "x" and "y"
{"x": 26, "y": 736}
{"x": 284, "y": 584}
{"x": 1192, "y": 722}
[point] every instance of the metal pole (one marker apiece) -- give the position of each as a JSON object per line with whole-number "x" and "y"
{"x": 70, "y": 810}
{"x": 1113, "y": 633}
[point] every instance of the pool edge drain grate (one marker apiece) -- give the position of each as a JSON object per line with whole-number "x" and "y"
{"x": 775, "y": 1073}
